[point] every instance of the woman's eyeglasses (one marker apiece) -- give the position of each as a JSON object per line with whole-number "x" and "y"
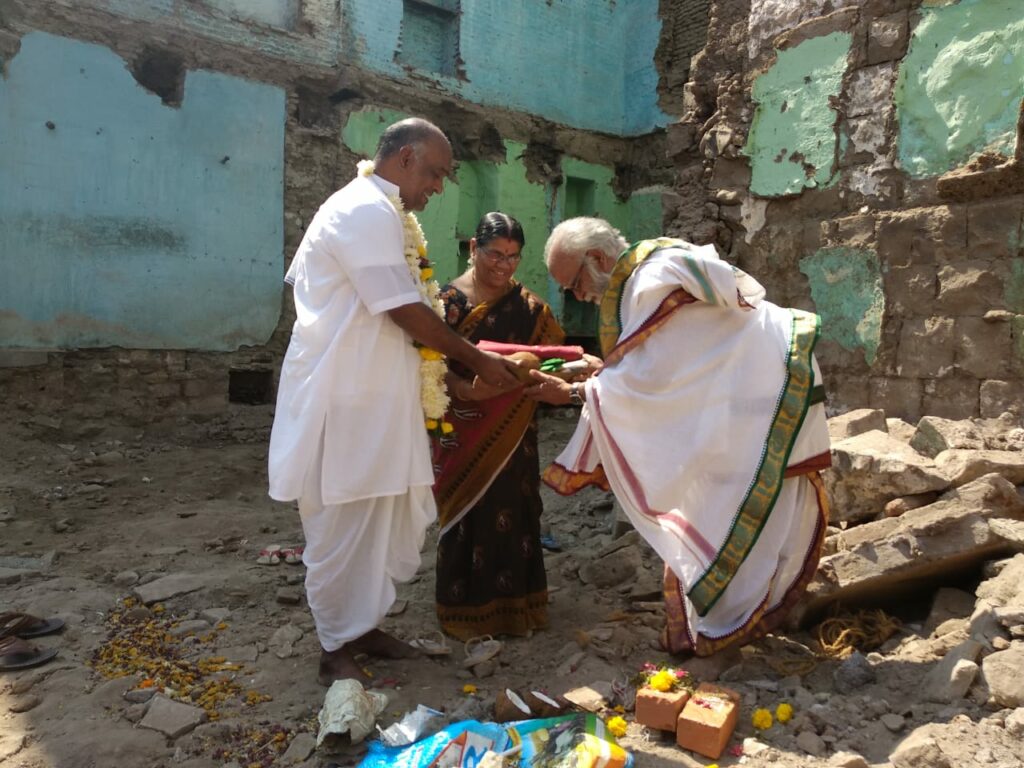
{"x": 498, "y": 256}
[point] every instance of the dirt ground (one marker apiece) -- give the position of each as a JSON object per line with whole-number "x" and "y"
{"x": 90, "y": 512}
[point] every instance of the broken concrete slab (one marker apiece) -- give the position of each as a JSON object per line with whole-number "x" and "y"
{"x": 935, "y": 435}
{"x": 961, "y": 466}
{"x": 171, "y": 718}
{"x": 873, "y": 468}
{"x": 169, "y": 586}
{"x": 1012, "y": 531}
{"x": 953, "y": 533}
{"x": 615, "y": 568}
{"x": 1003, "y": 677}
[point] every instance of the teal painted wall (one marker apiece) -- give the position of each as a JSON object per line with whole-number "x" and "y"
{"x": 585, "y": 63}
{"x": 481, "y": 186}
{"x": 792, "y": 141}
{"x": 960, "y": 85}
{"x": 124, "y": 222}
{"x": 846, "y": 285}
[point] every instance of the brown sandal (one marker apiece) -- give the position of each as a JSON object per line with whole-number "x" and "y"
{"x": 16, "y": 654}
{"x": 25, "y": 625}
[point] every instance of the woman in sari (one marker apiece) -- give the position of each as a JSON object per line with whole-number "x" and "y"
{"x": 490, "y": 564}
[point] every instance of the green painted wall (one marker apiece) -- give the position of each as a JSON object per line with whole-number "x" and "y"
{"x": 846, "y": 285}
{"x": 479, "y": 187}
{"x": 960, "y": 85}
{"x": 792, "y": 142}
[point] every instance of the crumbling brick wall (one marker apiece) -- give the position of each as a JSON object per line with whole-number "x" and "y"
{"x": 858, "y": 158}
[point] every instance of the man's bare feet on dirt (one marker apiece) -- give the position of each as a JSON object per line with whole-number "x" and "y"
{"x": 381, "y": 644}
{"x": 340, "y": 665}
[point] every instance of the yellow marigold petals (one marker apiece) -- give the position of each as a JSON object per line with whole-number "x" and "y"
{"x": 469, "y": 688}
{"x": 447, "y": 428}
{"x": 431, "y": 424}
{"x": 761, "y": 719}
{"x": 430, "y": 354}
{"x": 616, "y": 727}
{"x": 426, "y": 273}
{"x": 784, "y": 712}
{"x": 662, "y": 680}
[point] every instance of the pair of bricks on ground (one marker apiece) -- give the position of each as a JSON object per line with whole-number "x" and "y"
{"x": 702, "y": 721}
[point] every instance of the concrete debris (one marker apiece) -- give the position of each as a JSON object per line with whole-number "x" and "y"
{"x": 856, "y": 422}
{"x": 918, "y": 751}
{"x": 171, "y": 718}
{"x": 855, "y": 672}
{"x": 1003, "y": 677}
{"x": 168, "y": 587}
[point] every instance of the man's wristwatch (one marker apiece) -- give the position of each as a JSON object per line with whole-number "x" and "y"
{"x": 575, "y": 398}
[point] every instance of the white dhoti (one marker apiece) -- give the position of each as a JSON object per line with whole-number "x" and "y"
{"x": 706, "y": 425}
{"x": 355, "y": 553}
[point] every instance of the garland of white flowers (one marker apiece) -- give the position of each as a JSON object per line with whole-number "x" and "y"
{"x": 433, "y": 394}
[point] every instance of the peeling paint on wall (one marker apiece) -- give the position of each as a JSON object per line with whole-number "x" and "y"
{"x": 792, "y": 142}
{"x": 846, "y": 285}
{"x": 130, "y": 223}
{"x": 535, "y": 56}
{"x": 960, "y": 85}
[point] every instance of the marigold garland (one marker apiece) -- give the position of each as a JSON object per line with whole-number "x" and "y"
{"x": 433, "y": 393}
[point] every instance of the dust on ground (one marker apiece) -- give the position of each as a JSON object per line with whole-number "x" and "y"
{"x": 89, "y": 514}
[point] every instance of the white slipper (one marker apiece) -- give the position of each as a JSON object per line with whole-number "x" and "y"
{"x": 433, "y": 645}
{"x": 481, "y": 649}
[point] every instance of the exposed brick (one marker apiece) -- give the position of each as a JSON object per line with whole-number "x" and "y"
{"x": 926, "y": 347}
{"x": 951, "y": 398}
{"x": 899, "y": 397}
{"x": 993, "y": 229}
{"x": 923, "y": 236}
{"x": 997, "y": 397}
{"x": 888, "y": 37}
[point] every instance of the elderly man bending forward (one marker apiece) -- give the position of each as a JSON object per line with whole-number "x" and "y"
{"x": 348, "y": 440}
{"x": 707, "y": 422}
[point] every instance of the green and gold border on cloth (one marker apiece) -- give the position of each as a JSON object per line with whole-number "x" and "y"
{"x": 760, "y": 499}
{"x": 609, "y": 326}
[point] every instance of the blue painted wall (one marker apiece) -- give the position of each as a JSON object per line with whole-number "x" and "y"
{"x": 584, "y": 63}
{"x": 130, "y": 223}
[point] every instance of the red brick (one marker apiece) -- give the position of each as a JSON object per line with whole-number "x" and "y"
{"x": 708, "y": 720}
{"x": 659, "y": 710}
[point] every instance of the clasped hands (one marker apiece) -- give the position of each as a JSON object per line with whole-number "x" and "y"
{"x": 539, "y": 386}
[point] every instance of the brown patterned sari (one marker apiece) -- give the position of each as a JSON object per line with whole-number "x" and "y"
{"x": 490, "y": 564}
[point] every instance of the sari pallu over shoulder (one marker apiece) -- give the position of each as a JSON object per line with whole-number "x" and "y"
{"x": 487, "y": 432}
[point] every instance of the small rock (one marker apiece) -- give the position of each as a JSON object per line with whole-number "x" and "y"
{"x": 215, "y": 615}
{"x": 848, "y": 760}
{"x": 811, "y": 743}
{"x": 919, "y": 752}
{"x": 126, "y": 578}
{"x": 1002, "y": 674}
{"x": 570, "y": 665}
{"x": 189, "y": 627}
{"x": 171, "y": 718}
{"x": 302, "y": 747}
{"x": 62, "y": 525}
{"x": 25, "y": 704}
{"x": 752, "y": 746}
{"x": 591, "y": 697}
{"x": 239, "y": 653}
{"x": 854, "y": 672}
{"x": 893, "y": 722}
{"x": 139, "y": 695}
{"x": 25, "y": 684}
{"x": 983, "y": 756}
{"x": 169, "y": 586}
{"x": 135, "y": 712}
{"x": 287, "y": 596}
{"x": 1014, "y": 723}
{"x": 485, "y": 669}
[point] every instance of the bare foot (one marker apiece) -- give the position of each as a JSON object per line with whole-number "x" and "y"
{"x": 381, "y": 644}
{"x": 340, "y": 665}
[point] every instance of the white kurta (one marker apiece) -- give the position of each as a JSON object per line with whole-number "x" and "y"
{"x": 350, "y": 376}
{"x": 680, "y": 426}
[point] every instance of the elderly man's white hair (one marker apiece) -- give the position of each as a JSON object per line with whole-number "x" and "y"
{"x": 582, "y": 234}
